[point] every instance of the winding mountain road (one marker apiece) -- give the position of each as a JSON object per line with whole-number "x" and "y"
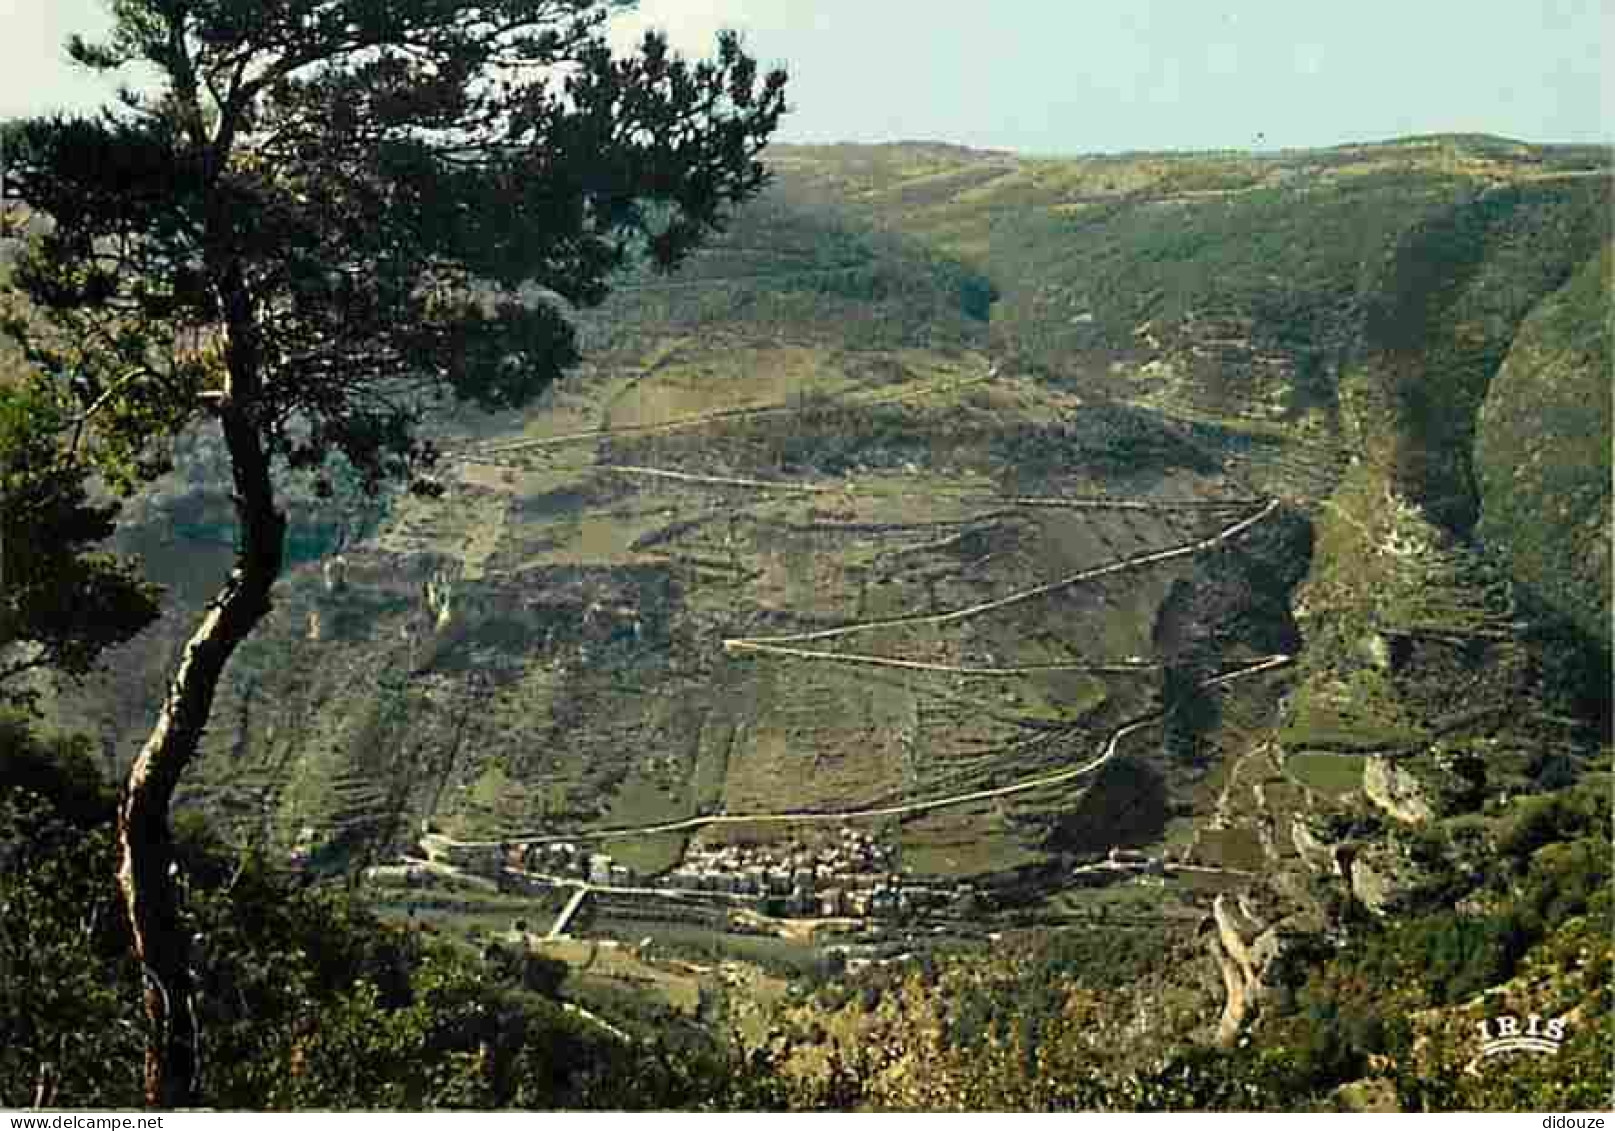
{"x": 785, "y": 644}
{"x": 904, "y": 809}
{"x": 776, "y": 643}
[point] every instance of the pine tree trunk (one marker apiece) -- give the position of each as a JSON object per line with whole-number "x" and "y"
{"x": 144, "y": 835}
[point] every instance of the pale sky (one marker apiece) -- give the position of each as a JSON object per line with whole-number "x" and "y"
{"x": 1086, "y": 76}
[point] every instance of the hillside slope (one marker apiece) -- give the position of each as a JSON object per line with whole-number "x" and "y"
{"x": 879, "y": 405}
{"x": 1543, "y": 451}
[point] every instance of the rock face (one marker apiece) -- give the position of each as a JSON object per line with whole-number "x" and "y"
{"x": 1398, "y": 792}
{"x": 1236, "y": 999}
{"x": 1374, "y": 883}
{"x": 1388, "y": 879}
{"x": 1315, "y": 852}
{"x": 1425, "y": 787}
{"x": 1246, "y": 967}
{"x": 1239, "y": 977}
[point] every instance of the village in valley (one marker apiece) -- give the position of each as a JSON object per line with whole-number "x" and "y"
{"x": 848, "y": 875}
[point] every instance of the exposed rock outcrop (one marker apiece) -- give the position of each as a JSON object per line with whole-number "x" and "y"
{"x": 1247, "y": 968}
{"x": 1425, "y": 787}
{"x": 1315, "y": 852}
{"x": 1398, "y": 792}
{"x": 1388, "y": 877}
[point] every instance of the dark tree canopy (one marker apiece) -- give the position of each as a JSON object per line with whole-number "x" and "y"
{"x": 62, "y": 603}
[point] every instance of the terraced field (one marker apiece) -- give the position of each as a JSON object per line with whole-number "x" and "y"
{"x": 672, "y": 596}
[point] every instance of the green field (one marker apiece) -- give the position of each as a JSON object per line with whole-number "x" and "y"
{"x": 1332, "y": 774}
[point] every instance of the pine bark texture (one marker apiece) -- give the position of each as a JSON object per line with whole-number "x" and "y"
{"x": 150, "y": 894}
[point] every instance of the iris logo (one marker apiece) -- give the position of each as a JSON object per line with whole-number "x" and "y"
{"x": 1509, "y": 1034}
